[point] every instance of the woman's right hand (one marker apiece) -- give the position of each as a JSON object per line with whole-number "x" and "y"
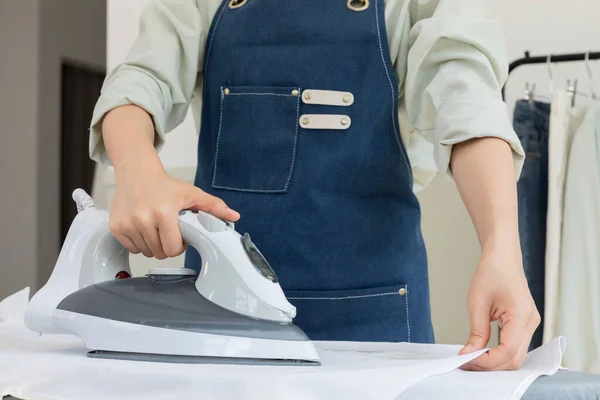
{"x": 144, "y": 214}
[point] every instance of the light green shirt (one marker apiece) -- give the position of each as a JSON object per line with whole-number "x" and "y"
{"x": 449, "y": 57}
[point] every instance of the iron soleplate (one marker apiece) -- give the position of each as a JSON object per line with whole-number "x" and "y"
{"x": 179, "y": 359}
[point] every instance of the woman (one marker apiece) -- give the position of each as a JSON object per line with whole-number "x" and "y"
{"x": 300, "y": 135}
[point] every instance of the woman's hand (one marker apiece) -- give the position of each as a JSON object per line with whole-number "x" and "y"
{"x": 144, "y": 214}
{"x": 499, "y": 292}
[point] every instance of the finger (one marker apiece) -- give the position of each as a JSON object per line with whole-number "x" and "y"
{"x": 127, "y": 243}
{"x": 509, "y": 366}
{"x": 137, "y": 238}
{"x": 200, "y": 200}
{"x": 517, "y": 362}
{"x": 507, "y": 353}
{"x": 152, "y": 239}
{"x": 170, "y": 235}
{"x": 479, "y": 335}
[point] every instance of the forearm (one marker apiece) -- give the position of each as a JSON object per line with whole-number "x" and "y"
{"x": 128, "y": 134}
{"x": 484, "y": 173}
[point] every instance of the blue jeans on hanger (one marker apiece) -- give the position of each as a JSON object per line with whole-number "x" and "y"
{"x": 531, "y": 123}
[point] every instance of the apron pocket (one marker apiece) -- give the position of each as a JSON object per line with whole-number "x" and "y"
{"x": 256, "y": 143}
{"x": 364, "y": 315}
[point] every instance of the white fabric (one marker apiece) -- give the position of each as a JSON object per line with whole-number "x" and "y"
{"x": 13, "y": 307}
{"x": 579, "y": 292}
{"x": 449, "y": 58}
{"x": 461, "y": 385}
{"x": 55, "y": 367}
{"x": 562, "y": 117}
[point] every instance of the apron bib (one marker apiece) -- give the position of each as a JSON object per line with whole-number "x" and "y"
{"x": 299, "y": 133}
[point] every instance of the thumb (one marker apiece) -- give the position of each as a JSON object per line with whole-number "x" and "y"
{"x": 479, "y": 335}
{"x": 197, "y": 199}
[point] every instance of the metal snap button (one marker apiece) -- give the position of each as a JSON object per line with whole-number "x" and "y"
{"x": 402, "y": 291}
{"x": 344, "y": 121}
{"x": 295, "y": 92}
{"x": 346, "y": 99}
{"x": 307, "y": 96}
{"x": 358, "y": 5}
{"x": 305, "y": 121}
{"x": 226, "y": 90}
{"x": 236, "y": 3}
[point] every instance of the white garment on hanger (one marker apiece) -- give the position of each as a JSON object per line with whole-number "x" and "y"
{"x": 579, "y": 293}
{"x": 563, "y": 119}
{"x": 55, "y": 367}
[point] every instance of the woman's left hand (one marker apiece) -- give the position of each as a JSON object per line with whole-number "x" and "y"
{"x": 499, "y": 292}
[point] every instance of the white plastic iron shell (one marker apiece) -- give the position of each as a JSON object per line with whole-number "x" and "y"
{"x": 90, "y": 254}
{"x": 227, "y": 277}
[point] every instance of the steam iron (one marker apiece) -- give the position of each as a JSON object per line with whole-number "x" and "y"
{"x": 234, "y": 312}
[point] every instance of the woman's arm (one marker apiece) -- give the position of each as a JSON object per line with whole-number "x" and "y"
{"x": 456, "y": 66}
{"x": 485, "y": 176}
{"x": 142, "y": 99}
{"x": 128, "y": 135}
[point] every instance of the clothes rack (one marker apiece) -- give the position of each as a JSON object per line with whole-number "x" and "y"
{"x": 554, "y": 58}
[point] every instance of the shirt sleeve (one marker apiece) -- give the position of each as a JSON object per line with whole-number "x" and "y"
{"x": 455, "y": 70}
{"x": 159, "y": 72}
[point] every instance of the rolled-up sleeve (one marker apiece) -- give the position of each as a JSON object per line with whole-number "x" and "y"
{"x": 159, "y": 72}
{"x": 456, "y": 67}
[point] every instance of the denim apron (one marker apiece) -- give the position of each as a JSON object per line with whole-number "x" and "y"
{"x": 331, "y": 209}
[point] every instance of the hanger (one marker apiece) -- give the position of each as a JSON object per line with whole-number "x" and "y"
{"x": 572, "y": 87}
{"x": 529, "y": 93}
{"x": 550, "y": 75}
{"x": 592, "y": 94}
{"x": 556, "y": 58}
{"x": 572, "y": 91}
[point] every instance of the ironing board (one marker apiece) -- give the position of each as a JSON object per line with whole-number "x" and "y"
{"x": 563, "y": 385}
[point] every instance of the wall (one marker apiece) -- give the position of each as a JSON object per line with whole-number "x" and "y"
{"x": 73, "y": 30}
{"x": 452, "y": 245}
{"x": 19, "y": 57}
{"x": 34, "y": 37}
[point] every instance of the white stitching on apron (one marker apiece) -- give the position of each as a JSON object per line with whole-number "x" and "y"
{"x": 396, "y": 131}
{"x": 345, "y": 297}
{"x": 207, "y": 55}
{"x": 287, "y": 184}
{"x": 218, "y": 138}
{"x": 407, "y": 312}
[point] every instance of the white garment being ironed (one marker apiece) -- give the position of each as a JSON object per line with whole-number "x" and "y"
{"x": 579, "y": 293}
{"x": 36, "y": 367}
{"x": 563, "y": 122}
